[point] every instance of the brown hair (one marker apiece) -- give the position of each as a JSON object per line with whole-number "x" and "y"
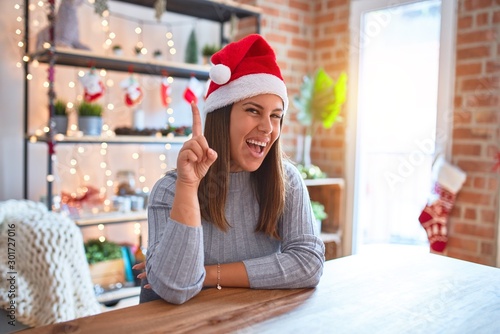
{"x": 268, "y": 180}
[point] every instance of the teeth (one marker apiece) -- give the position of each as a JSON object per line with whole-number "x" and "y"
{"x": 254, "y": 142}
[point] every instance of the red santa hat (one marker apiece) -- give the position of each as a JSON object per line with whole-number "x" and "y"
{"x": 244, "y": 69}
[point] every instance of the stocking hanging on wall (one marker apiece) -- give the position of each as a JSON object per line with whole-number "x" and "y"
{"x": 448, "y": 180}
{"x": 92, "y": 85}
{"x": 133, "y": 92}
{"x": 165, "y": 91}
{"x": 193, "y": 90}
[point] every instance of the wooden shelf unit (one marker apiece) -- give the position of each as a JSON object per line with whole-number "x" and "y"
{"x": 219, "y": 11}
{"x": 330, "y": 193}
{"x": 85, "y": 59}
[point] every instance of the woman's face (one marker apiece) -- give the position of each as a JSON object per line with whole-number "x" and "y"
{"x": 255, "y": 126}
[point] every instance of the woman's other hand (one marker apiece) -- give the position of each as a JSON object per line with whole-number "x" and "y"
{"x": 142, "y": 266}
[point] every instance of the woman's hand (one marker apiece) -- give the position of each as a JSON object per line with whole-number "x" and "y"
{"x": 143, "y": 275}
{"x": 195, "y": 156}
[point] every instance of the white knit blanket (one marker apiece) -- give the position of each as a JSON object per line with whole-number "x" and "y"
{"x": 52, "y": 278}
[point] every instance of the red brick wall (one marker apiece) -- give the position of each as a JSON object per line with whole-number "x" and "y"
{"x": 307, "y": 35}
{"x": 476, "y": 131}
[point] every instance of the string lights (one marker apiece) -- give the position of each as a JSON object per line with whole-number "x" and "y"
{"x": 37, "y": 18}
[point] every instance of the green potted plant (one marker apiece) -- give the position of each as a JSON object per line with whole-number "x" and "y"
{"x": 117, "y": 50}
{"x": 89, "y": 118}
{"x": 105, "y": 260}
{"x": 319, "y": 213}
{"x": 319, "y": 103}
{"x": 310, "y": 172}
{"x": 138, "y": 50}
{"x": 207, "y": 51}
{"x": 60, "y": 117}
{"x": 157, "y": 54}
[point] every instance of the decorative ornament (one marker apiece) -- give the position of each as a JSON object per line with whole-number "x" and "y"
{"x": 89, "y": 196}
{"x": 100, "y": 6}
{"x": 160, "y": 8}
{"x": 93, "y": 86}
{"x": 133, "y": 93}
{"x": 448, "y": 180}
{"x": 192, "y": 49}
{"x": 66, "y": 32}
{"x": 165, "y": 91}
{"x": 193, "y": 91}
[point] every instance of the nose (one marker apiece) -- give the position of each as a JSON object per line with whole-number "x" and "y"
{"x": 265, "y": 125}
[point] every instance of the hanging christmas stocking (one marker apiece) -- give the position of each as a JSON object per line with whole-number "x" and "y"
{"x": 165, "y": 91}
{"x": 448, "y": 180}
{"x": 93, "y": 86}
{"x": 133, "y": 92}
{"x": 193, "y": 90}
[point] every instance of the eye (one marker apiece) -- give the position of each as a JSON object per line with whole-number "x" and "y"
{"x": 252, "y": 110}
{"x": 278, "y": 116}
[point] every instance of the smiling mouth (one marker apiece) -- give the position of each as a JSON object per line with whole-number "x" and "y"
{"x": 256, "y": 146}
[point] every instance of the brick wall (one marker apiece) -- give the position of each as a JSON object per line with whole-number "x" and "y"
{"x": 476, "y": 131}
{"x": 307, "y": 35}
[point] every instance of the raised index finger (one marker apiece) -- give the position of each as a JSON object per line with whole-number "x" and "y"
{"x": 196, "y": 120}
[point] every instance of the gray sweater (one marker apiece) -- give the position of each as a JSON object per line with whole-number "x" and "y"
{"x": 177, "y": 253}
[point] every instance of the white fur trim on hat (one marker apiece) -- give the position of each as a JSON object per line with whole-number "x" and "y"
{"x": 244, "y": 87}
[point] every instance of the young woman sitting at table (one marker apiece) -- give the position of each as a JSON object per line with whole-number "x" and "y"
{"x": 235, "y": 212}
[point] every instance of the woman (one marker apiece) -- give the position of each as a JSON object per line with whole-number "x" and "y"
{"x": 233, "y": 213}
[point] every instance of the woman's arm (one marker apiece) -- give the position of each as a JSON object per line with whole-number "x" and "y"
{"x": 227, "y": 275}
{"x": 175, "y": 257}
{"x": 175, "y": 261}
{"x": 300, "y": 262}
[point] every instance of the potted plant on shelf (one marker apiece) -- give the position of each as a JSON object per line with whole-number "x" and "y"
{"x": 138, "y": 50}
{"x": 207, "y": 51}
{"x": 319, "y": 103}
{"x": 310, "y": 172}
{"x": 60, "y": 118}
{"x": 319, "y": 213}
{"x": 117, "y": 50}
{"x": 106, "y": 262}
{"x": 90, "y": 118}
{"x": 157, "y": 54}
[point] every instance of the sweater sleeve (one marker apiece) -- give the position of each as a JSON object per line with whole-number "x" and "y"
{"x": 300, "y": 262}
{"x": 175, "y": 258}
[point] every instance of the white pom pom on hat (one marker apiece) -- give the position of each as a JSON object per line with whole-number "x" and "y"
{"x": 220, "y": 74}
{"x": 244, "y": 69}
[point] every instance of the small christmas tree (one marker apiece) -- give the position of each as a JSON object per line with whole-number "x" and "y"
{"x": 192, "y": 49}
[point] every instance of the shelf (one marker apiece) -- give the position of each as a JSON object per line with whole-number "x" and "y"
{"x": 152, "y": 140}
{"x": 111, "y": 218}
{"x": 85, "y": 58}
{"x": 324, "y": 182}
{"x": 213, "y": 10}
{"x": 330, "y": 193}
{"x": 114, "y": 296}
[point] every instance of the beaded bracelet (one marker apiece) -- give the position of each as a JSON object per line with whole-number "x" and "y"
{"x": 218, "y": 277}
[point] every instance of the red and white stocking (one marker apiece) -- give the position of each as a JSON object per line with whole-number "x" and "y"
{"x": 434, "y": 217}
{"x": 193, "y": 90}
{"x": 93, "y": 86}
{"x": 133, "y": 92}
{"x": 165, "y": 91}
